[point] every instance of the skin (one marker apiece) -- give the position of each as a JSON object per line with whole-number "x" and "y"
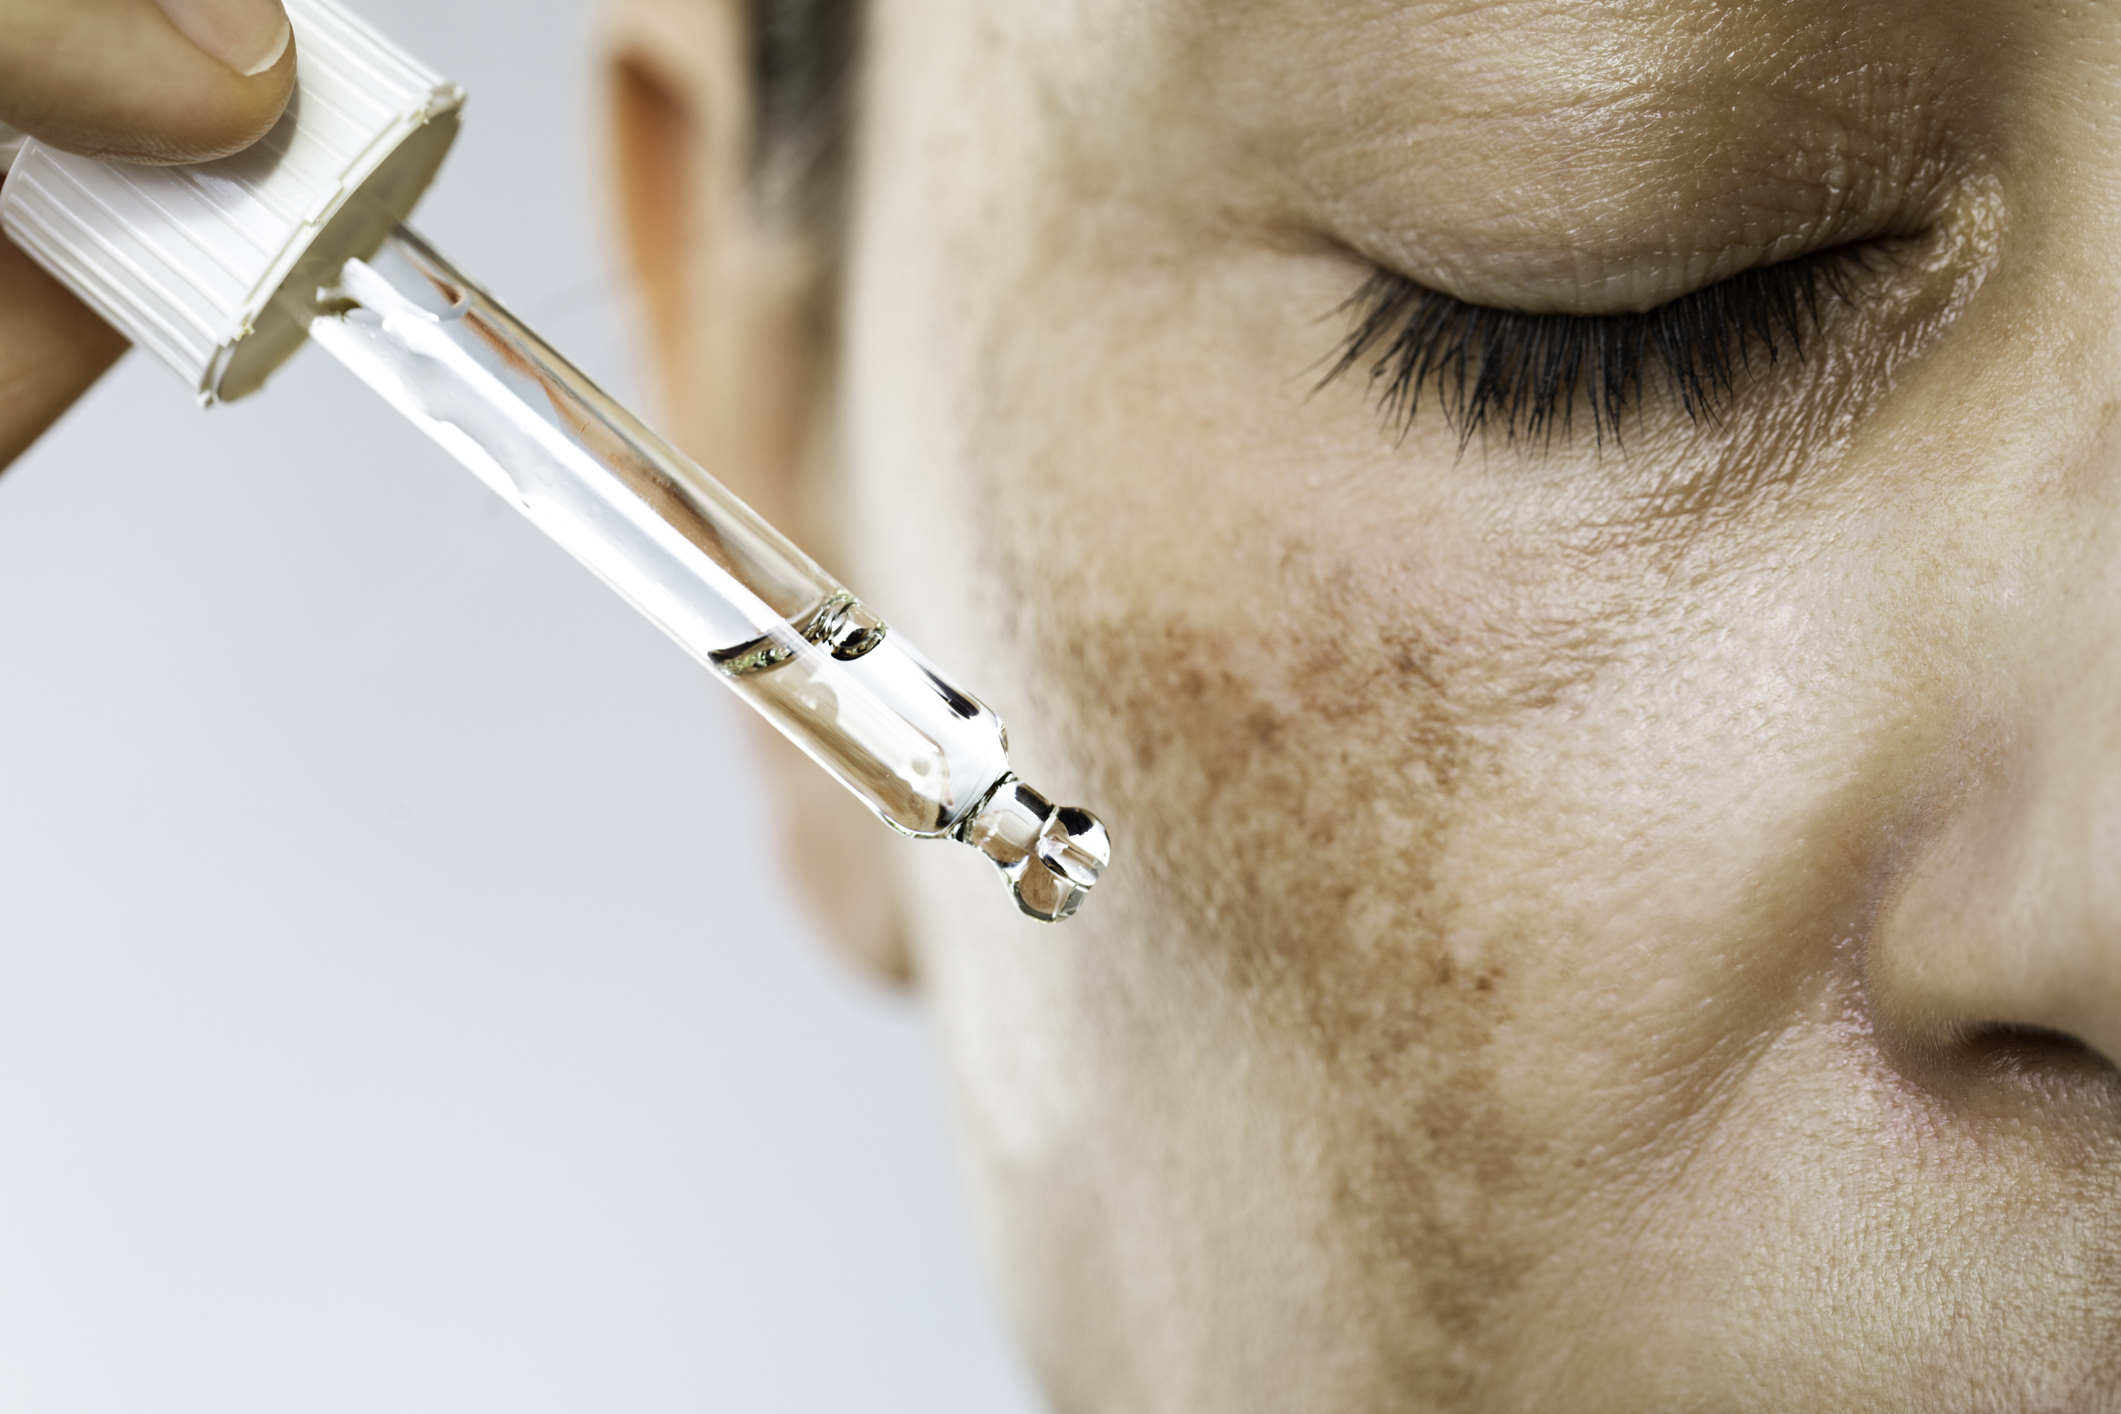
{"x": 1593, "y": 927}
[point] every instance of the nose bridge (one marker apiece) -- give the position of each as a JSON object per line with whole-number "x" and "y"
{"x": 2062, "y": 866}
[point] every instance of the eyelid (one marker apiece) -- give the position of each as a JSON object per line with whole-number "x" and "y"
{"x": 1523, "y": 373}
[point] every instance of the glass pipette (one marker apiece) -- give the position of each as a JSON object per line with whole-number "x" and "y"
{"x": 925, "y": 755}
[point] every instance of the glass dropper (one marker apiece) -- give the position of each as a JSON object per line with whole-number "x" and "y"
{"x": 929, "y": 758}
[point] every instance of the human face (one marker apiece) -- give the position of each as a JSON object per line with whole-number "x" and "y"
{"x": 1595, "y": 924}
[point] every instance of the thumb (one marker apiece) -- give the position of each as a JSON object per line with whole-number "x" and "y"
{"x": 145, "y": 80}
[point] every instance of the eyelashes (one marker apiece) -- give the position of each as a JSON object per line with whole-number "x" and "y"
{"x": 1528, "y": 377}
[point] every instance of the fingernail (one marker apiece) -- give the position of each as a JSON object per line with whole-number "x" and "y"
{"x": 247, "y": 35}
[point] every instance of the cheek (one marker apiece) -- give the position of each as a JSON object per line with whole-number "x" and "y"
{"x": 1295, "y": 668}
{"x": 1285, "y": 655}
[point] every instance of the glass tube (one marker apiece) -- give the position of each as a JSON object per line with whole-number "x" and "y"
{"x": 928, "y": 757}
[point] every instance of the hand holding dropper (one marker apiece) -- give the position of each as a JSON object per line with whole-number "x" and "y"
{"x": 223, "y": 270}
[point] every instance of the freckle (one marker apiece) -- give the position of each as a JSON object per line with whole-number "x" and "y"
{"x": 1485, "y": 983}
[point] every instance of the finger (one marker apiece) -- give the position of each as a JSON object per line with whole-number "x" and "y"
{"x": 52, "y": 347}
{"x": 145, "y": 80}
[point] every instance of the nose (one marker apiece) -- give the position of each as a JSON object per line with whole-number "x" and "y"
{"x": 2007, "y": 915}
{"x": 2011, "y": 920}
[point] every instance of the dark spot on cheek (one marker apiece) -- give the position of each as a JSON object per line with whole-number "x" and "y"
{"x": 1287, "y": 819}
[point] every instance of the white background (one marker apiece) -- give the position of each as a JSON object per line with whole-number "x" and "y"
{"x": 400, "y": 1007}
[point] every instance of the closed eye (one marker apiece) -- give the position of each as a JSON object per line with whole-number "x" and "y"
{"x": 1529, "y": 377}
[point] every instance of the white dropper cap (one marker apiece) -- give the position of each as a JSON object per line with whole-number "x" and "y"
{"x": 185, "y": 261}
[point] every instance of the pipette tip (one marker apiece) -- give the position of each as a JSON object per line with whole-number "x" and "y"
{"x": 1051, "y": 854}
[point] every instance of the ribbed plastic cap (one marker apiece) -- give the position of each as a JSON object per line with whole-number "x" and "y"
{"x": 185, "y": 261}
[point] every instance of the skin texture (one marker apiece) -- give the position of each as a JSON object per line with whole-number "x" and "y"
{"x": 1606, "y": 928}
